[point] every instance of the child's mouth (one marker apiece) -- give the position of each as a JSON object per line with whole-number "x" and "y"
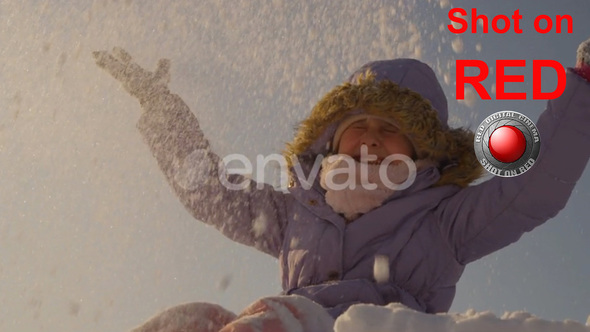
{"x": 378, "y": 161}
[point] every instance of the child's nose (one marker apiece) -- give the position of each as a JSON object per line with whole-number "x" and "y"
{"x": 371, "y": 138}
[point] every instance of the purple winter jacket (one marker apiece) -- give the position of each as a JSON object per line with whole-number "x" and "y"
{"x": 427, "y": 233}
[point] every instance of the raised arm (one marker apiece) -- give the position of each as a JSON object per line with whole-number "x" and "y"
{"x": 254, "y": 217}
{"x": 481, "y": 219}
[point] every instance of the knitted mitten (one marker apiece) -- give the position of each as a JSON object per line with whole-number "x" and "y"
{"x": 583, "y": 60}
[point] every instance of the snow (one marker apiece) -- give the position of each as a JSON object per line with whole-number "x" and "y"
{"x": 224, "y": 282}
{"x": 444, "y": 3}
{"x": 457, "y": 45}
{"x": 457, "y": 25}
{"x": 298, "y": 314}
{"x": 192, "y": 172}
{"x": 398, "y": 318}
{"x": 471, "y": 97}
{"x": 381, "y": 268}
{"x": 259, "y": 225}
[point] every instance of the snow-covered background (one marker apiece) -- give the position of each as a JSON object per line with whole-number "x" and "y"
{"x": 91, "y": 237}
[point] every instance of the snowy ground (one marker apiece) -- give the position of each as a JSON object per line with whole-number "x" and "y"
{"x": 92, "y": 239}
{"x": 369, "y": 318}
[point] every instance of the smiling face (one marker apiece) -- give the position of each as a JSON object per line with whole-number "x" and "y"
{"x": 381, "y": 137}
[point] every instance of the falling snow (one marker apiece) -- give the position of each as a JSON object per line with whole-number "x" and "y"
{"x": 457, "y": 45}
{"x": 471, "y": 97}
{"x": 259, "y": 225}
{"x": 381, "y": 269}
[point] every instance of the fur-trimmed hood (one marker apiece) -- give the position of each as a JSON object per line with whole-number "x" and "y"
{"x": 406, "y": 91}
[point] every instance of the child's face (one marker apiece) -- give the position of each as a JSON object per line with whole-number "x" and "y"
{"x": 381, "y": 138}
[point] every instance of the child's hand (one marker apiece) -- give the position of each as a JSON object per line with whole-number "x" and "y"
{"x": 139, "y": 82}
{"x": 583, "y": 55}
{"x": 583, "y": 60}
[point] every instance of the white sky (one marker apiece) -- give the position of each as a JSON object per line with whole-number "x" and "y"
{"x": 91, "y": 237}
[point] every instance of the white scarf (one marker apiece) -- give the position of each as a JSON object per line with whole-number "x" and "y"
{"x": 354, "y": 197}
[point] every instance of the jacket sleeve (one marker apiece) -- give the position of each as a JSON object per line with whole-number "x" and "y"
{"x": 254, "y": 216}
{"x": 481, "y": 219}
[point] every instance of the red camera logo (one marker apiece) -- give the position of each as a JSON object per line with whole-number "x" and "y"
{"x": 507, "y": 143}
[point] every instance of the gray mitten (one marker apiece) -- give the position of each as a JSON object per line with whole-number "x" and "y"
{"x": 139, "y": 82}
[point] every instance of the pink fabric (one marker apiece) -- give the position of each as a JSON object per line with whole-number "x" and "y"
{"x": 583, "y": 71}
{"x": 271, "y": 314}
{"x": 194, "y": 317}
{"x": 282, "y": 314}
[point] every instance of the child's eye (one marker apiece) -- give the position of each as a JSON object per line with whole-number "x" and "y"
{"x": 358, "y": 126}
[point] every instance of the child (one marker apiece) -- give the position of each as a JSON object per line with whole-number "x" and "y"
{"x": 333, "y": 244}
